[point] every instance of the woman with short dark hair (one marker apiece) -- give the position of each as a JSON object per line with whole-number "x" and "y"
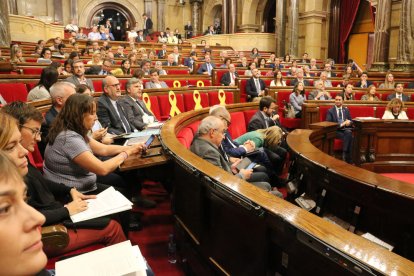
{"x": 48, "y": 77}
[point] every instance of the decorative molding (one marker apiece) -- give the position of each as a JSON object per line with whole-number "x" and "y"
{"x": 307, "y": 14}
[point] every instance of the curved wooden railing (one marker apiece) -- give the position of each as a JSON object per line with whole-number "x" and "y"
{"x": 225, "y": 225}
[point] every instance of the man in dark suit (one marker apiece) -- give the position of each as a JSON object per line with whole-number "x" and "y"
{"x": 299, "y": 78}
{"x": 136, "y": 112}
{"x": 206, "y": 145}
{"x": 190, "y": 61}
{"x": 162, "y": 54}
{"x": 229, "y": 78}
{"x": 266, "y": 116}
{"x": 188, "y": 30}
{"x": 255, "y": 87}
{"x": 341, "y": 115}
{"x": 110, "y": 112}
{"x": 206, "y": 67}
{"x": 170, "y": 61}
{"x": 399, "y": 89}
{"x": 364, "y": 82}
{"x": 140, "y": 37}
{"x": 328, "y": 70}
{"x": 147, "y": 25}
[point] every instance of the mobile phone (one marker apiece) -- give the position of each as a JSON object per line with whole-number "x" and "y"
{"x": 251, "y": 166}
{"x": 149, "y": 141}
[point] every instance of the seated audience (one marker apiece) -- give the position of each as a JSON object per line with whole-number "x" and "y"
{"x": 323, "y": 77}
{"x": 319, "y": 93}
{"x": 135, "y": 110}
{"x": 255, "y": 86}
{"x": 125, "y": 69}
{"x": 348, "y": 93}
{"x": 278, "y": 79}
{"x": 78, "y": 77}
{"x": 296, "y": 99}
{"x": 172, "y": 39}
{"x": 107, "y": 35}
{"x": 96, "y": 58}
{"x": 313, "y": 65}
{"x": 48, "y": 77}
{"x": 341, "y": 115}
{"x": 395, "y": 110}
{"x": 299, "y": 78}
{"x": 229, "y": 78}
{"x": 189, "y": 62}
{"x": 155, "y": 80}
{"x": 163, "y": 52}
{"x": 162, "y": 38}
{"x": 140, "y": 37}
{"x": 120, "y": 52}
{"x": 158, "y": 66}
{"x": 170, "y": 61}
{"x": 255, "y": 53}
{"x": 328, "y": 70}
{"x": 16, "y": 54}
{"x": 399, "y": 93}
{"x": 106, "y": 67}
{"x": 94, "y": 34}
{"x": 250, "y": 67}
{"x": 45, "y": 56}
{"x": 176, "y": 55}
{"x": 370, "y": 94}
{"x": 43, "y": 194}
{"x": 389, "y": 81}
{"x": 349, "y": 73}
{"x": 266, "y": 116}
{"x": 206, "y": 67}
{"x": 364, "y": 82}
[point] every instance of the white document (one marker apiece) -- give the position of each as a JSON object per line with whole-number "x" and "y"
{"x": 115, "y": 260}
{"x": 376, "y": 240}
{"x": 107, "y": 202}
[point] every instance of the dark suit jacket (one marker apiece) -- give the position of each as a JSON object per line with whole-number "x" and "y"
{"x": 258, "y": 122}
{"x": 358, "y": 84}
{"x": 108, "y": 117}
{"x": 210, "y": 153}
{"x": 140, "y": 39}
{"x": 410, "y": 85}
{"x": 228, "y": 148}
{"x": 203, "y": 68}
{"x": 73, "y": 79}
{"x": 148, "y": 24}
{"x": 133, "y": 112}
{"x": 161, "y": 54}
{"x": 295, "y": 81}
{"x": 331, "y": 115}
{"x": 251, "y": 87}
{"x": 187, "y": 62}
{"x": 405, "y": 98}
{"x": 333, "y": 75}
{"x": 165, "y": 63}
{"x": 226, "y": 79}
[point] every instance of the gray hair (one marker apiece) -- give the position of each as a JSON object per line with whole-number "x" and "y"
{"x": 207, "y": 124}
{"x": 219, "y": 111}
{"x": 58, "y": 89}
{"x": 131, "y": 82}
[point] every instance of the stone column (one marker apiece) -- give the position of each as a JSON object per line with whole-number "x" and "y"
{"x": 74, "y": 11}
{"x": 232, "y": 26}
{"x": 225, "y": 17}
{"x": 148, "y": 7}
{"x": 160, "y": 15}
{"x": 293, "y": 27}
{"x": 195, "y": 15}
{"x": 280, "y": 27}
{"x": 58, "y": 11}
{"x": 382, "y": 36}
{"x": 406, "y": 38}
{"x": 12, "y": 6}
{"x": 5, "y": 38}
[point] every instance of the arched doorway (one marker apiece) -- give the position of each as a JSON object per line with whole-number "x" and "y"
{"x": 215, "y": 18}
{"x": 269, "y": 14}
{"x": 116, "y": 13}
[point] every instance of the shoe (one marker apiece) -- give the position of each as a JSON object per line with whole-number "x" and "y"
{"x": 141, "y": 201}
{"x": 134, "y": 222}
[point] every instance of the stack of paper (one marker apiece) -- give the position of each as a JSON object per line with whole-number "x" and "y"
{"x": 145, "y": 132}
{"x": 107, "y": 202}
{"x": 376, "y": 240}
{"x": 114, "y": 260}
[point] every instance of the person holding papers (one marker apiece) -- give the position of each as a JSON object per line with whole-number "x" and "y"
{"x": 136, "y": 111}
{"x": 42, "y": 194}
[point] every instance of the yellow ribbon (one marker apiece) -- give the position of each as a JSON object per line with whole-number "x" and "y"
{"x": 222, "y": 97}
{"x": 176, "y": 84}
{"x": 200, "y": 83}
{"x": 173, "y": 101}
{"x": 147, "y": 101}
{"x": 197, "y": 100}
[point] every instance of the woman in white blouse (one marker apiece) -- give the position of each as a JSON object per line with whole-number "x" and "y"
{"x": 278, "y": 81}
{"x": 395, "y": 110}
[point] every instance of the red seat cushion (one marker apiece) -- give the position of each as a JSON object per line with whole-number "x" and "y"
{"x": 32, "y": 70}
{"x": 165, "y": 105}
{"x": 13, "y": 92}
{"x": 155, "y": 107}
{"x": 238, "y": 124}
{"x": 322, "y": 112}
{"x": 177, "y": 71}
{"x": 410, "y": 113}
{"x": 338, "y": 143}
{"x": 290, "y": 123}
{"x": 189, "y": 103}
{"x": 248, "y": 114}
{"x": 379, "y": 111}
{"x": 170, "y": 82}
{"x": 219, "y": 74}
{"x": 214, "y": 99}
{"x": 185, "y": 136}
{"x": 361, "y": 111}
{"x": 97, "y": 85}
{"x": 194, "y": 126}
{"x": 193, "y": 82}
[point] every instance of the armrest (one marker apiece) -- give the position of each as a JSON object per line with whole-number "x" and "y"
{"x": 54, "y": 238}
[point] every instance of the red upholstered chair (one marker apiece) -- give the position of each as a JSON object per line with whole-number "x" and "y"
{"x": 189, "y": 103}
{"x": 30, "y": 85}
{"x": 410, "y": 113}
{"x": 13, "y": 92}
{"x": 97, "y": 85}
{"x": 322, "y": 112}
{"x": 31, "y": 59}
{"x": 155, "y": 107}
{"x": 379, "y": 111}
{"x": 238, "y": 124}
{"x": 32, "y": 70}
{"x": 219, "y": 75}
{"x": 361, "y": 111}
{"x": 213, "y": 98}
{"x": 359, "y": 94}
{"x": 170, "y": 82}
{"x": 290, "y": 123}
{"x": 242, "y": 87}
{"x": 194, "y": 126}
{"x": 193, "y": 82}
{"x": 177, "y": 71}
{"x": 185, "y": 136}
{"x": 335, "y": 83}
{"x": 165, "y": 105}
{"x": 412, "y": 97}
{"x": 248, "y": 114}
{"x": 123, "y": 83}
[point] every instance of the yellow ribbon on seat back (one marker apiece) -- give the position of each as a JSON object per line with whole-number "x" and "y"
{"x": 176, "y": 84}
{"x": 197, "y": 100}
{"x": 173, "y": 102}
{"x": 200, "y": 83}
{"x": 222, "y": 97}
{"x": 147, "y": 101}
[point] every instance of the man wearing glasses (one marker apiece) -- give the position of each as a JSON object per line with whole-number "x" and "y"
{"x": 110, "y": 112}
{"x": 106, "y": 67}
{"x": 78, "y": 70}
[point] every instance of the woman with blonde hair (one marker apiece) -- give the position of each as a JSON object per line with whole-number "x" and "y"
{"x": 16, "y": 54}
{"x": 370, "y": 95}
{"x": 389, "y": 81}
{"x": 269, "y": 138}
{"x": 132, "y": 57}
{"x": 96, "y": 58}
{"x": 395, "y": 110}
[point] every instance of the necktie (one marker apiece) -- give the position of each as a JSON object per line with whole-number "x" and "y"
{"x": 140, "y": 107}
{"x": 209, "y": 68}
{"x": 257, "y": 86}
{"x": 340, "y": 115}
{"x": 124, "y": 121}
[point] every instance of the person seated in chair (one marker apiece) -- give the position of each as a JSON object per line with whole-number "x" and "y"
{"x": 207, "y": 67}
{"x": 364, "y": 82}
{"x": 341, "y": 115}
{"x": 255, "y": 86}
{"x": 395, "y": 110}
{"x": 399, "y": 89}
{"x": 206, "y": 144}
{"x": 43, "y": 194}
{"x": 229, "y": 78}
{"x": 299, "y": 78}
{"x": 155, "y": 80}
{"x": 319, "y": 93}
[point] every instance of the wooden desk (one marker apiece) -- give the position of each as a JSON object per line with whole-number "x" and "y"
{"x": 384, "y": 145}
{"x": 138, "y": 162}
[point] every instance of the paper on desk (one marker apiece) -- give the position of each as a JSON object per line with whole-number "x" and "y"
{"x": 145, "y": 132}
{"x": 376, "y": 240}
{"x": 114, "y": 260}
{"x": 155, "y": 125}
{"x": 107, "y": 202}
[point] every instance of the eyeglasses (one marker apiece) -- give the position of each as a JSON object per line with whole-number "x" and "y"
{"x": 114, "y": 85}
{"x": 36, "y": 132}
{"x": 227, "y": 121}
